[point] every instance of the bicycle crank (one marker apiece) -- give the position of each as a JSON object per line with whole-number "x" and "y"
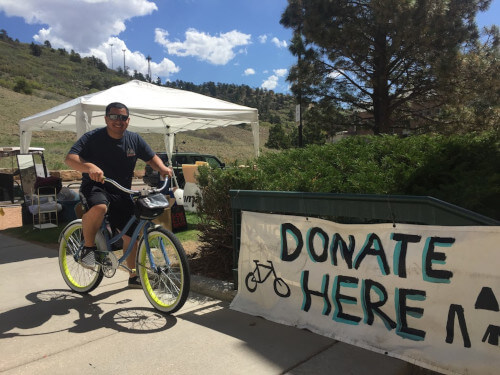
{"x": 109, "y": 264}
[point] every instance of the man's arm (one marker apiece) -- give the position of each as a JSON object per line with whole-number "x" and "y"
{"x": 75, "y": 162}
{"x": 158, "y": 165}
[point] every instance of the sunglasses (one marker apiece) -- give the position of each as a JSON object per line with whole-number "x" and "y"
{"x": 118, "y": 117}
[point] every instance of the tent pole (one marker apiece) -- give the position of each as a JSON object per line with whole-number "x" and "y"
{"x": 256, "y": 140}
{"x": 169, "y": 145}
{"x": 25, "y": 138}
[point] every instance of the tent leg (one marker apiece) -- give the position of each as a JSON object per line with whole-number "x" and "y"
{"x": 169, "y": 145}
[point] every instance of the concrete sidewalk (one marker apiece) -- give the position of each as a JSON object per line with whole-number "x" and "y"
{"x": 46, "y": 329}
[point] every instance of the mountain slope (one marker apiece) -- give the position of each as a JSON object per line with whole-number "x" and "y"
{"x": 55, "y": 77}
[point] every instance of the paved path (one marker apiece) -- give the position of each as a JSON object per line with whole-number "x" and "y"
{"x": 46, "y": 329}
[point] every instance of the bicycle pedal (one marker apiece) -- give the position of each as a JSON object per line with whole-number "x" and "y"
{"x": 100, "y": 255}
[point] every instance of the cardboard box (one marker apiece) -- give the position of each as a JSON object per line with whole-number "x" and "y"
{"x": 165, "y": 219}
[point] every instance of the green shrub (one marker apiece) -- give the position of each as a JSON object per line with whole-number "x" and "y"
{"x": 463, "y": 170}
{"x": 22, "y": 86}
{"x": 363, "y": 165}
{"x": 214, "y": 212}
{"x": 6, "y": 83}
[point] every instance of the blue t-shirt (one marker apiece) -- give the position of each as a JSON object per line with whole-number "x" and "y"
{"x": 116, "y": 157}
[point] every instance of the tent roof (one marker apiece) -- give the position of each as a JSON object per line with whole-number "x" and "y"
{"x": 153, "y": 109}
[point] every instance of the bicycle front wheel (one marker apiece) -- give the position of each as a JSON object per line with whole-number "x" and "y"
{"x": 77, "y": 277}
{"x": 164, "y": 273}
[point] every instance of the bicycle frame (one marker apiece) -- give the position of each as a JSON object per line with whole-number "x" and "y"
{"x": 270, "y": 270}
{"x": 144, "y": 225}
{"x": 117, "y": 237}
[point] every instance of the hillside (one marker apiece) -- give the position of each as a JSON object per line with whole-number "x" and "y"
{"x": 55, "y": 76}
{"x": 231, "y": 144}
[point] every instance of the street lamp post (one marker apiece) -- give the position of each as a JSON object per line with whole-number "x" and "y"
{"x": 111, "y": 47}
{"x": 123, "y": 60}
{"x": 149, "y": 67}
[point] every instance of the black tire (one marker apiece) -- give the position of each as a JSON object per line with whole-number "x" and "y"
{"x": 167, "y": 284}
{"x": 281, "y": 288}
{"x": 250, "y": 282}
{"x": 77, "y": 277}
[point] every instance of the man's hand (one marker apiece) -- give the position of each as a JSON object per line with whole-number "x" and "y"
{"x": 167, "y": 171}
{"x": 76, "y": 162}
{"x": 158, "y": 165}
{"x": 96, "y": 173}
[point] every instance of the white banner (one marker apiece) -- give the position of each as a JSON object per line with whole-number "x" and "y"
{"x": 426, "y": 294}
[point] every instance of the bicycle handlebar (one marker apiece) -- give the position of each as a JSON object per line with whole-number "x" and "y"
{"x": 136, "y": 192}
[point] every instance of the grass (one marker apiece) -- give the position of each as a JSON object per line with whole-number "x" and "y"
{"x": 191, "y": 233}
{"x": 28, "y": 233}
{"x": 50, "y": 236}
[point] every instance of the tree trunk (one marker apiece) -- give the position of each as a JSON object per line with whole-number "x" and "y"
{"x": 380, "y": 79}
{"x": 381, "y": 111}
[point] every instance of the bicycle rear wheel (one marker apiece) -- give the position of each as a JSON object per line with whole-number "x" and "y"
{"x": 166, "y": 281}
{"x": 77, "y": 277}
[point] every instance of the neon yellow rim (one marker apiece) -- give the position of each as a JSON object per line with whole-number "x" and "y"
{"x": 144, "y": 272}
{"x": 64, "y": 254}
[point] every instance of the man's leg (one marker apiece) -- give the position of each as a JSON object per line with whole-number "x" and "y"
{"x": 133, "y": 281}
{"x": 121, "y": 209}
{"x": 91, "y": 222}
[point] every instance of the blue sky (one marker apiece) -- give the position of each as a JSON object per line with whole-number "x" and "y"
{"x": 228, "y": 41}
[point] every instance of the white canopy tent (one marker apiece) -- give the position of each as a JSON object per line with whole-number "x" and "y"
{"x": 153, "y": 109}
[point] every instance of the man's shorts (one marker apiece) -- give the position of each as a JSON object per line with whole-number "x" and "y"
{"x": 120, "y": 206}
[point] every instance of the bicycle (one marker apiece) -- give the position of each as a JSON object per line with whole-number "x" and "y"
{"x": 255, "y": 277}
{"x": 161, "y": 261}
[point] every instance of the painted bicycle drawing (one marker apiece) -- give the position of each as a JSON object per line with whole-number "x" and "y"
{"x": 261, "y": 273}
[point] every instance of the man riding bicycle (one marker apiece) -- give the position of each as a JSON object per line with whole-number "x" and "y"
{"x": 112, "y": 152}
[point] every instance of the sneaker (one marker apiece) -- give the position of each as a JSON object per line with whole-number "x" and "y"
{"x": 100, "y": 256}
{"x": 87, "y": 257}
{"x": 134, "y": 283}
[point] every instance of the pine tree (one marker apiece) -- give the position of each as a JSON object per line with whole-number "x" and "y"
{"x": 378, "y": 56}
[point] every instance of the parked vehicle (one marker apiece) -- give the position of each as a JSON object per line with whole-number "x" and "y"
{"x": 152, "y": 177}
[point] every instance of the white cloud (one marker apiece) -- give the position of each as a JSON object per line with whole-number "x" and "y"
{"x": 165, "y": 68}
{"x": 55, "y": 41}
{"x": 78, "y": 25}
{"x": 249, "y": 72}
{"x": 280, "y": 72}
{"x": 334, "y": 75}
{"x": 217, "y": 50}
{"x": 270, "y": 83}
{"x": 133, "y": 60}
{"x": 90, "y": 27}
{"x": 278, "y": 43}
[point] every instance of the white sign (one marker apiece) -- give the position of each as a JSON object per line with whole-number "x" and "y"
{"x": 425, "y": 294}
{"x": 190, "y": 196}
